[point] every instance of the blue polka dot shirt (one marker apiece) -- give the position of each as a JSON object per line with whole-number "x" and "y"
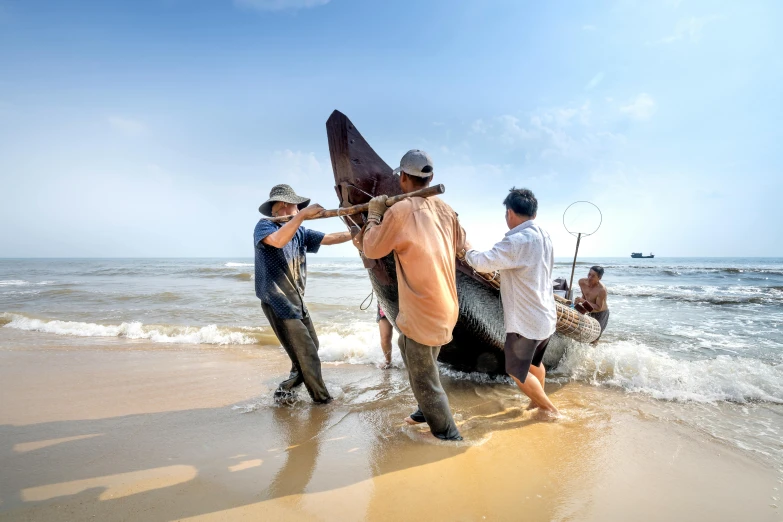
{"x": 281, "y": 273}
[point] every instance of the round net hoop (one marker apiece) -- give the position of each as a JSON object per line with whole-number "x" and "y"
{"x": 582, "y": 217}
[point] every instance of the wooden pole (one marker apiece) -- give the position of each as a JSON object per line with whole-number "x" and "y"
{"x": 573, "y": 267}
{"x": 358, "y": 209}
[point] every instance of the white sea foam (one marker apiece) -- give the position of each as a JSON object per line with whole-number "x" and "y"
{"x": 14, "y": 282}
{"x": 734, "y": 294}
{"x": 629, "y": 365}
{"x": 211, "y": 334}
{"x": 354, "y": 343}
{"x": 237, "y": 265}
{"x": 635, "y": 367}
{"x": 20, "y": 282}
{"x": 477, "y": 377}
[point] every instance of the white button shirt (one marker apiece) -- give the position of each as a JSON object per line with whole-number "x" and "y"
{"x": 525, "y": 259}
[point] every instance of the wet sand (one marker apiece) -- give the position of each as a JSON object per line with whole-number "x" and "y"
{"x": 130, "y": 431}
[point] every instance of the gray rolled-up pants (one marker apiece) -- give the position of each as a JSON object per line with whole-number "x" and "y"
{"x": 421, "y": 362}
{"x": 301, "y": 344}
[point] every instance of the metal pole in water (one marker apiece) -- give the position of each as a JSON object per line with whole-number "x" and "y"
{"x": 573, "y": 267}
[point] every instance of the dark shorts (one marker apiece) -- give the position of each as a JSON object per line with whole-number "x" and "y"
{"x": 521, "y": 353}
{"x": 602, "y": 318}
{"x": 380, "y": 315}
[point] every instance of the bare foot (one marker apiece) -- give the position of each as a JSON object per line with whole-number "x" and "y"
{"x": 546, "y": 415}
{"x": 531, "y": 406}
{"x": 409, "y": 420}
{"x": 385, "y": 366}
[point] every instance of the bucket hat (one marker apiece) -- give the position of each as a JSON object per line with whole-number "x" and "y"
{"x": 285, "y": 194}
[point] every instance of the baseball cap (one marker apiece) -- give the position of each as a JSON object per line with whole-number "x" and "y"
{"x": 416, "y": 163}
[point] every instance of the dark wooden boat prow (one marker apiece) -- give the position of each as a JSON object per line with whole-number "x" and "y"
{"x": 360, "y": 174}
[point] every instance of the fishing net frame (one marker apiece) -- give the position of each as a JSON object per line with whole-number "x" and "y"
{"x": 578, "y": 236}
{"x": 583, "y": 234}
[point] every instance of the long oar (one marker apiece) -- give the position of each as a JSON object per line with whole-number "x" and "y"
{"x": 357, "y": 209}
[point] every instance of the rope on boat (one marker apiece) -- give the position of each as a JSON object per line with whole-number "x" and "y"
{"x": 370, "y": 297}
{"x": 570, "y": 323}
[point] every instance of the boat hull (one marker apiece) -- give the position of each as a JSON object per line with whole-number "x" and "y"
{"x": 479, "y": 335}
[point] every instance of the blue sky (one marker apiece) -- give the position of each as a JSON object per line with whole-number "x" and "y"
{"x": 157, "y": 127}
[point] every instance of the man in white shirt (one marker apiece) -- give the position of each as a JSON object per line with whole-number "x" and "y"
{"x": 525, "y": 260}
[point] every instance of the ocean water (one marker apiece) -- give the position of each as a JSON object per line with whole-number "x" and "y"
{"x": 701, "y": 339}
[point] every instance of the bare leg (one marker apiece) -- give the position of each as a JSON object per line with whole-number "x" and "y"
{"x": 386, "y": 331}
{"x": 539, "y": 372}
{"x": 533, "y": 389}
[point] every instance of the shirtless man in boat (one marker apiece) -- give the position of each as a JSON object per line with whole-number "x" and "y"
{"x": 594, "y": 294}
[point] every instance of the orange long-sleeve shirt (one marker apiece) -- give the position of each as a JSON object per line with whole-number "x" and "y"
{"x": 425, "y": 235}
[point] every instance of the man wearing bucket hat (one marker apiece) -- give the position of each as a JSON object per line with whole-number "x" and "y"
{"x": 281, "y": 274}
{"x": 425, "y": 235}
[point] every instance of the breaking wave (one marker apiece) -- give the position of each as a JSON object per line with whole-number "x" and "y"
{"x": 222, "y": 273}
{"x": 629, "y": 365}
{"x": 211, "y": 334}
{"x": 20, "y": 282}
{"x": 354, "y": 343}
{"x": 637, "y": 368}
{"x": 679, "y": 270}
{"x": 704, "y": 294}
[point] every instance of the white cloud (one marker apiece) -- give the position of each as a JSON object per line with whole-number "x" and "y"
{"x": 565, "y": 116}
{"x": 640, "y": 108}
{"x": 612, "y": 175}
{"x": 127, "y": 126}
{"x": 559, "y": 142}
{"x": 287, "y": 166}
{"x": 689, "y": 29}
{"x": 279, "y": 5}
{"x": 598, "y": 78}
{"x": 479, "y": 127}
{"x": 510, "y": 131}
{"x": 588, "y": 27}
{"x": 573, "y": 132}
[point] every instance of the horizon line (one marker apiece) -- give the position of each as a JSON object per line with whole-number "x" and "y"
{"x": 358, "y": 259}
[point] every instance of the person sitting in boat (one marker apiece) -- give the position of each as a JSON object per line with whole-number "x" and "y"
{"x": 281, "y": 274}
{"x": 425, "y": 235}
{"x": 525, "y": 259}
{"x": 594, "y": 294}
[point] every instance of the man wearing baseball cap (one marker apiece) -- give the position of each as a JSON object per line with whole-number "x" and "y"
{"x": 281, "y": 274}
{"x": 425, "y": 235}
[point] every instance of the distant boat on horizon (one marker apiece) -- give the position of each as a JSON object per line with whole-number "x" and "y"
{"x": 639, "y": 255}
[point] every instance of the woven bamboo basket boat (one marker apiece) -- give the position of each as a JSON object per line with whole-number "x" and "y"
{"x": 570, "y": 323}
{"x": 479, "y": 335}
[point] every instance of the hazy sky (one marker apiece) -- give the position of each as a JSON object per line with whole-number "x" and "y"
{"x": 157, "y": 127}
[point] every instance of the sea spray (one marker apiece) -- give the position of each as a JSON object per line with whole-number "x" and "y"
{"x": 354, "y": 343}
{"x": 635, "y": 367}
{"x": 210, "y": 334}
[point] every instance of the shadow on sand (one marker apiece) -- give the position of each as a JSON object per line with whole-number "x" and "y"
{"x": 178, "y": 464}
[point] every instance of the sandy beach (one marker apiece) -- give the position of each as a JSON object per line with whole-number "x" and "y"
{"x": 198, "y": 196}
{"x": 119, "y": 430}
